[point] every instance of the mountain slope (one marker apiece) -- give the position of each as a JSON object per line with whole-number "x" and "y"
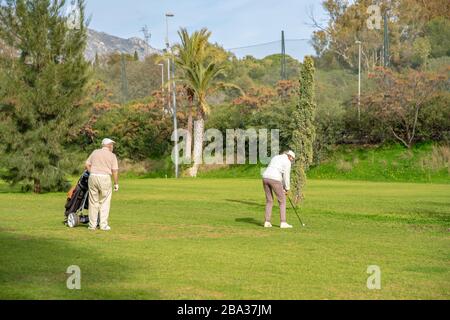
{"x": 104, "y": 44}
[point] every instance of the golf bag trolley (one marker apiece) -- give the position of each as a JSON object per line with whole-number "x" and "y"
{"x": 77, "y": 202}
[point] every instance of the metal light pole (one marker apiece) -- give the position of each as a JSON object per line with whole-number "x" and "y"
{"x": 359, "y": 80}
{"x": 386, "y": 41}
{"x": 162, "y": 82}
{"x": 175, "y": 122}
{"x": 170, "y": 71}
{"x": 168, "y": 15}
{"x": 283, "y": 57}
{"x": 162, "y": 75}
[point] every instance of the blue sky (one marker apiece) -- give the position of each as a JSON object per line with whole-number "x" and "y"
{"x": 234, "y": 23}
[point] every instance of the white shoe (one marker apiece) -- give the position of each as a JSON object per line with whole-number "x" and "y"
{"x": 284, "y": 225}
{"x": 92, "y": 229}
{"x": 107, "y": 228}
{"x": 267, "y": 225}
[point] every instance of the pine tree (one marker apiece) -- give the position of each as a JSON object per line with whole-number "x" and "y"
{"x": 42, "y": 91}
{"x": 136, "y": 56}
{"x": 304, "y": 133}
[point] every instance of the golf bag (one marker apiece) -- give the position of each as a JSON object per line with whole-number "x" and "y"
{"x": 77, "y": 202}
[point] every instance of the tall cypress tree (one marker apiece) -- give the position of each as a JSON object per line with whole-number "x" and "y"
{"x": 42, "y": 89}
{"x": 304, "y": 133}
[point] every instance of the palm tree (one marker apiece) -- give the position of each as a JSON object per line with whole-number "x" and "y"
{"x": 199, "y": 74}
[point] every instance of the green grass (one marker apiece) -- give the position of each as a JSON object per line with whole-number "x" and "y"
{"x": 392, "y": 163}
{"x": 202, "y": 239}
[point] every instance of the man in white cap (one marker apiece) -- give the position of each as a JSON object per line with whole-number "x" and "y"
{"x": 102, "y": 164}
{"x": 277, "y": 179}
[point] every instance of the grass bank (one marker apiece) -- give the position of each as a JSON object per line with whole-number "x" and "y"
{"x": 393, "y": 163}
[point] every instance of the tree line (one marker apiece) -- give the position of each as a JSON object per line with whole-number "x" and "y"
{"x": 55, "y": 107}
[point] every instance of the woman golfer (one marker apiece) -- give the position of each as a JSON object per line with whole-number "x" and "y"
{"x": 276, "y": 179}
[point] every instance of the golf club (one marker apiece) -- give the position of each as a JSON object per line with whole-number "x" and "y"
{"x": 295, "y": 210}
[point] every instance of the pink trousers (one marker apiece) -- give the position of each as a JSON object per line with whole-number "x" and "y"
{"x": 271, "y": 187}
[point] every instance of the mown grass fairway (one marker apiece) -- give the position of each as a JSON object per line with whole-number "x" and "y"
{"x": 202, "y": 239}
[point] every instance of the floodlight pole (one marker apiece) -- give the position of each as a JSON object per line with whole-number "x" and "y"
{"x": 359, "y": 80}
{"x": 386, "y": 41}
{"x": 162, "y": 75}
{"x": 283, "y": 57}
{"x": 171, "y": 72}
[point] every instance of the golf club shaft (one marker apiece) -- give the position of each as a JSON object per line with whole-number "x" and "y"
{"x": 295, "y": 210}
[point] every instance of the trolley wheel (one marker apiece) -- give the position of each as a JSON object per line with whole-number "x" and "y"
{"x": 73, "y": 220}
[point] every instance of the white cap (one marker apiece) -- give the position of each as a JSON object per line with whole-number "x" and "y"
{"x": 107, "y": 141}
{"x": 291, "y": 153}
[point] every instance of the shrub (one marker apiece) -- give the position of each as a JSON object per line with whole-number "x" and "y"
{"x": 142, "y": 132}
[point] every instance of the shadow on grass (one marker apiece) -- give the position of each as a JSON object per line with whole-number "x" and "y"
{"x": 249, "y": 203}
{"x": 35, "y": 268}
{"x": 250, "y": 221}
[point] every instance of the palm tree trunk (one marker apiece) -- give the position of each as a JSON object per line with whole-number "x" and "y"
{"x": 199, "y": 128}
{"x": 189, "y": 137}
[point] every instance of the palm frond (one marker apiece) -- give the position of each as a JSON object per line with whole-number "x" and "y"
{"x": 198, "y": 73}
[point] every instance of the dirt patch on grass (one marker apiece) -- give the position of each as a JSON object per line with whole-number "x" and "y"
{"x": 4, "y": 229}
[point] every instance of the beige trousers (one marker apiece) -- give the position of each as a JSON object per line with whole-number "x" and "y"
{"x": 270, "y": 187}
{"x": 100, "y": 193}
